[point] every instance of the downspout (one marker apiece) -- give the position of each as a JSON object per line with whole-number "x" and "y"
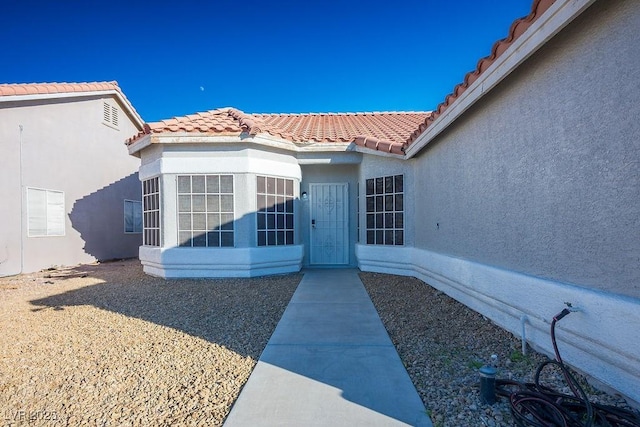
{"x": 523, "y": 321}
{"x": 22, "y": 196}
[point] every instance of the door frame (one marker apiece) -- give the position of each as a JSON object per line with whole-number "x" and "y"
{"x": 345, "y": 219}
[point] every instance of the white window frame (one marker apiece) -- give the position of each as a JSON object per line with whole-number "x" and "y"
{"x": 135, "y": 203}
{"x": 151, "y": 212}
{"x": 49, "y": 214}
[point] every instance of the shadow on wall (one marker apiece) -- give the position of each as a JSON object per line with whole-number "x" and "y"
{"x": 238, "y": 314}
{"x": 99, "y": 218}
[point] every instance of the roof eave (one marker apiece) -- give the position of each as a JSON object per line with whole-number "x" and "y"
{"x": 559, "y": 15}
{"x": 131, "y": 112}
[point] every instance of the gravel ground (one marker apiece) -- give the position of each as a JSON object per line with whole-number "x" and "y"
{"x": 107, "y": 345}
{"x": 442, "y": 344}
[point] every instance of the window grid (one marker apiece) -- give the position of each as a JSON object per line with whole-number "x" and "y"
{"x": 275, "y": 217}
{"x": 205, "y": 211}
{"x": 385, "y": 210}
{"x": 151, "y": 212}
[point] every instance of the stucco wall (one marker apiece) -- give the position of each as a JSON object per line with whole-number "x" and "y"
{"x": 542, "y": 176}
{"x": 66, "y": 147}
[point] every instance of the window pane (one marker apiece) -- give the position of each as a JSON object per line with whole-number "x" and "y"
{"x": 271, "y": 203}
{"x": 388, "y": 220}
{"x": 399, "y": 183}
{"x": 213, "y": 184}
{"x": 226, "y": 203}
{"x": 371, "y": 204}
{"x": 184, "y": 184}
{"x": 388, "y": 237}
{"x": 388, "y": 203}
{"x": 200, "y": 239}
{"x": 262, "y": 238}
{"x": 288, "y": 189}
{"x": 379, "y": 203}
{"x": 379, "y": 220}
{"x": 184, "y": 203}
{"x": 262, "y": 184}
{"x": 271, "y": 221}
{"x": 226, "y": 183}
{"x": 279, "y": 186}
{"x": 213, "y": 238}
{"x": 289, "y": 237}
{"x": 184, "y": 238}
{"x": 227, "y": 221}
{"x": 399, "y": 234}
{"x": 55, "y": 213}
{"x": 213, "y": 221}
{"x": 213, "y": 203}
{"x": 371, "y": 237}
{"x": 198, "y": 203}
{"x": 370, "y": 187}
{"x": 199, "y": 221}
{"x": 37, "y": 211}
{"x": 280, "y": 238}
{"x": 379, "y": 237}
{"x": 388, "y": 184}
{"x": 399, "y": 220}
{"x": 289, "y": 206}
{"x": 262, "y": 221}
{"x": 261, "y": 202}
{"x": 226, "y": 239}
{"x": 280, "y": 222}
{"x": 371, "y": 221}
{"x": 399, "y": 202}
{"x": 271, "y": 185}
{"x": 184, "y": 222}
{"x": 197, "y": 184}
{"x": 271, "y": 238}
{"x": 379, "y": 185}
{"x": 280, "y": 204}
{"x": 289, "y": 222}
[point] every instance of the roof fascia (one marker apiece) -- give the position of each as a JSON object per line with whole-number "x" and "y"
{"x": 131, "y": 112}
{"x": 263, "y": 140}
{"x": 558, "y": 16}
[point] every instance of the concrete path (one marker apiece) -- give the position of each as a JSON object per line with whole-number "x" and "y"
{"x": 329, "y": 362}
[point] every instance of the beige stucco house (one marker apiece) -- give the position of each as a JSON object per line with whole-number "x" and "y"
{"x": 70, "y": 192}
{"x": 519, "y": 193}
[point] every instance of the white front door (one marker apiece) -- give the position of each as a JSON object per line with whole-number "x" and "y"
{"x": 329, "y": 224}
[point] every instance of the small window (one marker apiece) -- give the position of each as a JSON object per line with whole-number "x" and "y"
{"x": 132, "y": 216}
{"x": 151, "y": 212}
{"x": 385, "y": 210}
{"x": 45, "y": 212}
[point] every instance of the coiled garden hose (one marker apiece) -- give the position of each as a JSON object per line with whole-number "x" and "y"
{"x": 535, "y": 405}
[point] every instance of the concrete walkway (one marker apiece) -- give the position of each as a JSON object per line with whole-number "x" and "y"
{"x": 329, "y": 362}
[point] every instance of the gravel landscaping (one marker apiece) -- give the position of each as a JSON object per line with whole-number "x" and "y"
{"x": 442, "y": 344}
{"x": 107, "y": 345}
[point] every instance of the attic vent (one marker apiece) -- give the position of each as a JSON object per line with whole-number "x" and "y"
{"x": 109, "y": 115}
{"x": 106, "y": 115}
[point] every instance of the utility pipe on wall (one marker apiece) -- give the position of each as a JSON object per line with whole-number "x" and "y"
{"x": 523, "y": 320}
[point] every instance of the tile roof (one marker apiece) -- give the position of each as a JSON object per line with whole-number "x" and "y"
{"x": 27, "y": 89}
{"x": 386, "y": 131}
{"x": 518, "y": 27}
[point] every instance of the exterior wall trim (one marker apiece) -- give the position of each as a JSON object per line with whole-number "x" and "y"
{"x": 177, "y": 263}
{"x": 559, "y": 15}
{"x": 504, "y": 296}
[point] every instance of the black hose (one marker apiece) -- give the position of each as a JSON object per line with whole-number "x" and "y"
{"x": 535, "y": 405}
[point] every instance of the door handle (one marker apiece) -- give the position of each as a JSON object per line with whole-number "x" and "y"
{"x": 313, "y": 223}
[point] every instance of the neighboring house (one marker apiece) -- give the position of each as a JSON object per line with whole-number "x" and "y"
{"x": 70, "y": 192}
{"x": 520, "y": 193}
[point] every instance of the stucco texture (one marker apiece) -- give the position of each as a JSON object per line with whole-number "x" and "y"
{"x": 542, "y": 175}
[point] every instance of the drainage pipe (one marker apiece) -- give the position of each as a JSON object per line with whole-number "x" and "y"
{"x": 523, "y": 321}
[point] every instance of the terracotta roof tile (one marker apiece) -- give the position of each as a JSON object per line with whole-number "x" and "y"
{"x": 518, "y": 27}
{"x": 389, "y": 130}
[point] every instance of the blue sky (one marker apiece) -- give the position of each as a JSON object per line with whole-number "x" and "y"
{"x": 176, "y": 58}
